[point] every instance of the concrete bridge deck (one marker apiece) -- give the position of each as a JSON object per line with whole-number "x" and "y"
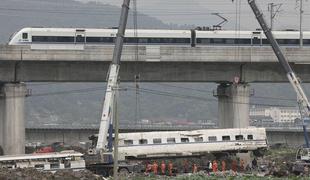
{"x": 156, "y": 63}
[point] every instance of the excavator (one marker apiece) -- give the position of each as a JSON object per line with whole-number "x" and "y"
{"x": 303, "y": 153}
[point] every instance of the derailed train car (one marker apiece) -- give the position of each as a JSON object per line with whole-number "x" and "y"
{"x": 191, "y": 143}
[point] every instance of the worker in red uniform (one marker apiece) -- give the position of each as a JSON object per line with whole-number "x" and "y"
{"x": 214, "y": 167}
{"x": 155, "y": 168}
{"x": 223, "y": 166}
{"x": 185, "y": 163}
{"x": 170, "y": 167}
{"x": 195, "y": 168}
{"x": 163, "y": 167}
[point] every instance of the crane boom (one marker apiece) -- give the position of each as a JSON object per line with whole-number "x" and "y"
{"x": 112, "y": 82}
{"x": 302, "y": 99}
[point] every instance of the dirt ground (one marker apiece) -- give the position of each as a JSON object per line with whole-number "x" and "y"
{"x": 33, "y": 174}
{"x": 274, "y": 165}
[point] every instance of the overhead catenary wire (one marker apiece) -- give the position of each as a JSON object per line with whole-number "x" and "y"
{"x": 146, "y": 91}
{"x": 98, "y": 12}
{"x": 137, "y": 74}
{"x": 161, "y": 84}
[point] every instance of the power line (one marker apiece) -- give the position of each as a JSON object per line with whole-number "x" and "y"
{"x": 199, "y": 98}
{"x": 144, "y": 90}
{"x": 206, "y": 91}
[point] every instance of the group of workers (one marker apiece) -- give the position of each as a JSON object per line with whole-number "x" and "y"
{"x": 212, "y": 166}
{"x": 163, "y": 169}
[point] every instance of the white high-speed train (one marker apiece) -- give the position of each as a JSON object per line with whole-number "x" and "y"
{"x": 81, "y": 36}
{"x": 191, "y": 143}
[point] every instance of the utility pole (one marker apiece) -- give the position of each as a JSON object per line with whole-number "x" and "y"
{"x": 273, "y": 13}
{"x": 300, "y": 24}
{"x": 116, "y": 127}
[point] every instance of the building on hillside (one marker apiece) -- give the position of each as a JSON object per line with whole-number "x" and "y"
{"x": 278, "y": 114}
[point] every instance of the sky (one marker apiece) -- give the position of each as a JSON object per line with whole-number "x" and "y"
{"x": 199, "y": 12}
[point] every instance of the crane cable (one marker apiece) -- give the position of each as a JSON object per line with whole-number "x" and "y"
{"x": 137, "y": 74}
{"x": 237, "y": 50}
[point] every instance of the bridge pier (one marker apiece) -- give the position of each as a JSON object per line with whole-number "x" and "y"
{"x": 233, "y": 105}
{"x": 12, "y": 126}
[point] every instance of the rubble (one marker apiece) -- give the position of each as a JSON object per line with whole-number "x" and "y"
{"x": 33, "y": 174}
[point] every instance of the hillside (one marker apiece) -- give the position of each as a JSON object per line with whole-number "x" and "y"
{"x": 16, "y": 14}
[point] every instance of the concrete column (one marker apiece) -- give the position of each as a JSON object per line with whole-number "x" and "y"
{"x": 12, "y": 118}
{"x": 233, "y": 105}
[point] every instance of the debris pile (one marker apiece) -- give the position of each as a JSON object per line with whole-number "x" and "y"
{"x": 33, "y": 174}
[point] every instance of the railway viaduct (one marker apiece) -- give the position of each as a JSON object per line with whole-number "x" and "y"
{"x": 233, "y": 68}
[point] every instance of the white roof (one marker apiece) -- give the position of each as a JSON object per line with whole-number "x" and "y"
{"x": 40, "y": 156}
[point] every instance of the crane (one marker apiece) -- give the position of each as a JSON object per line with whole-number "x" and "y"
{"x": 302, "y": 99}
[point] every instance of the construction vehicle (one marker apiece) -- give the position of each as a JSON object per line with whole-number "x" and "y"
{"x": 99, "y": 158}
{"x": 303, "y": 153}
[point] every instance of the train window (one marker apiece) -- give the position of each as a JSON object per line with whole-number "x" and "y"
{"x": 292, "y": 41}
{"x": 250, "y": 137}
{"x": 25, "y": 35}
{"x": 143, "y": 141}
{"x": 100, "y": 39}
{"x": 212, "y": 138}
{"x": 128, "y": 142}
{"x": 243, "y": 41}
{"x": 230, "y": 41}
{"x": 154, "y": 40}
{"x": 52, "y": 39}
{"x": 281, "y": 41}
{"x": 142, "y": 40}
{"x": 182, "y": 40}
{"x": 306, "y": 41}
{"x": 55, "y": 165}
{"x": 256, "y": 40}
{"x": 157, "y": 141}
{"x": 239, "y": 137}
{"x": 203, "y": 41}
{"x": 80, "y": 38}
{"x": 198, "y": 139}
{"x": 170, "y": 140}
{"x": 226, "y": 138}
{"x": 265, "y": 41}
{"x": 130, "y": 40}
{"x": 184, "y": 140}
{"x": 39, "y": 166}
{"x": 218, "y": 41}
{"x": 67, "y": 164}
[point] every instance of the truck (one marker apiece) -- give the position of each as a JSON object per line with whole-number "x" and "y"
{"x": 303, "y": 153}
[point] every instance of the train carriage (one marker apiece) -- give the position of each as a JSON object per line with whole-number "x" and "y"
{"x": 68, "y": 38}
{"x": 191, "y": 143}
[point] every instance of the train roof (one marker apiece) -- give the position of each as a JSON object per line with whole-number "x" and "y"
{"x": 62, "y": 154}
{"x": 252, "y": 130}
{"x": 158, "y": 32}
{"x": 108, "y": 32}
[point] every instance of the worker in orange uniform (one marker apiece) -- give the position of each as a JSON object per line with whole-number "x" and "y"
{"x": 170, "y": 167}
{"x": 195, "y": 168}
{"x": 234, "y": 167}
{"x": 155, "y": 168}
{"x": 223, "y": 166}
{"x": 163, "y": 167}
{"x": 214, "y": 167}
